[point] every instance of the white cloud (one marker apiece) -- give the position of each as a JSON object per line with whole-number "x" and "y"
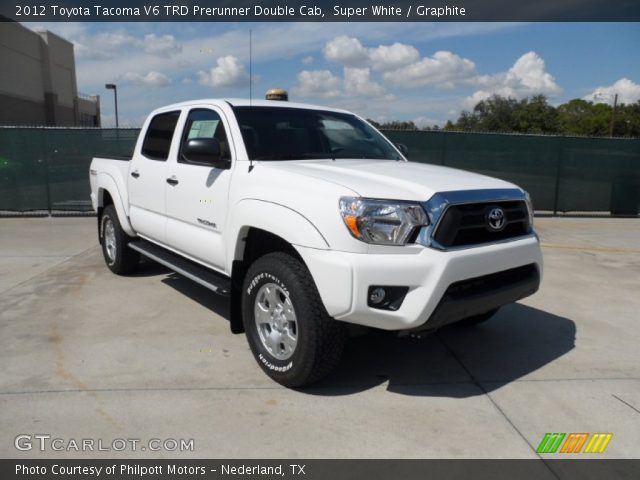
{"x": 228, "y": 73}
{"x": 272, "y": 41}
{"x": 442, "y": 70}
{"x": 123, "y": 49}
{"x": 357, "y": 82}
{"x": 308, "y": 60}
{"x": 318, "y": 83}
{"x": 105, "y": 45}
{"x": 83, "y": 52}
{"x": 472, "y": 100}
{"x": 151, "y": 79}
{"x": 161, "y": 46}
{"x": 110, "y": 45}
{"x": 527, "y": 76}
{"x": 349, "y": 52}
{"x": 628, "y": 92}
{"x": 423, "y": 121}
{"x": 392, "y": 56}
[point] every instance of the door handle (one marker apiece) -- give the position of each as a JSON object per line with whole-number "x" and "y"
{"x": 172, "y": 181}
{"x": 135, "y": 174}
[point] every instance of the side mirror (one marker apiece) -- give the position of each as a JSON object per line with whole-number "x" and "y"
{"x": 403, "y": 149}
{"x": 205, "y": 151}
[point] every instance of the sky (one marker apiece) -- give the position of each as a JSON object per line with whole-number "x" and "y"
{"x": 425, "y": 72}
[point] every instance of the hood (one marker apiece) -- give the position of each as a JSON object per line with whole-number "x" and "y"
{"x": 389, "y": 179}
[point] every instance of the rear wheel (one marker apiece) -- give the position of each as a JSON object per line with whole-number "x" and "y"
{"x": 291, "y": 335}
{"x": 117, "y": 255}
{"x": 477, "y": 319}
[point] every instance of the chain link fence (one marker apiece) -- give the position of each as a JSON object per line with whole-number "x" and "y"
{"x": 47, "y": 169}
{"x": 562, "y": 174}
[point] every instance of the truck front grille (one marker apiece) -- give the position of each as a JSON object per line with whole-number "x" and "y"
{"x": 467, "y": 224}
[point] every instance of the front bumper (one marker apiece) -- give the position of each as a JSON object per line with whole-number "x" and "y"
{"x": 343, "y": 280}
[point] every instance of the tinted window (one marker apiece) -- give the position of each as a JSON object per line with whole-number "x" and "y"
{"x": 157, "y": 141}
{"x": 203, "y": 123}
{"x": 281, "y": 133}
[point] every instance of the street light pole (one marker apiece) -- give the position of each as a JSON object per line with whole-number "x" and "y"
{"x": 112, "y": 86}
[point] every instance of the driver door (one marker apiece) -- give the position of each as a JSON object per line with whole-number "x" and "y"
{"x": 197, "y": 194}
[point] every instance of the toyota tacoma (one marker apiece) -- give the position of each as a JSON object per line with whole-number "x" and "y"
{"x": 311, "y": 220}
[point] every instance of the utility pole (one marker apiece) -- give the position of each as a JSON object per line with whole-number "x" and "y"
{"x": 613, "y": 115}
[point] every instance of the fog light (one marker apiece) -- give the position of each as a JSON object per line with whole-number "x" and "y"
{"x": 377, "y": 295}
{"x": 386, "y": 297}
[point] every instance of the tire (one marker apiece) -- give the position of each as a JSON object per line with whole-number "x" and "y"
{"x": 477, "y": 319}
{"x": 117, "y": 255}
{"x": 302, "y": 344}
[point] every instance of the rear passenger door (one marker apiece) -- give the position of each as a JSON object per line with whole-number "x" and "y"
{"x": 147, "y": 180}
{"x": 197, "y": 200}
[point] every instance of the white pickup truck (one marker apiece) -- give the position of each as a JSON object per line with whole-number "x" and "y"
{"x": 309, "y": 220}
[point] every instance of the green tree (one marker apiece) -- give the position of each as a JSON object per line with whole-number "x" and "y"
{"x": 627, "y": 120}
{"x": 535, "y": 115}
{"x": 399, "y": 125}
{"x": 581, "y": 117}
{"x": 496, "y": 114}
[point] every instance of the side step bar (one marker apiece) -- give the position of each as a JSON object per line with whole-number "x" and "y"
{"x": 214, "y": 281}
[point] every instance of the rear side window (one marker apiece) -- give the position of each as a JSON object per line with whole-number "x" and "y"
{"x": 157, "y": 141}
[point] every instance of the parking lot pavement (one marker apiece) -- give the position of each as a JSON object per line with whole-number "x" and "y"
{"x": 89, "y": 355}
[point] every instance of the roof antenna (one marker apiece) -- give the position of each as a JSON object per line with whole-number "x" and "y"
{"x": 250, "y": 83}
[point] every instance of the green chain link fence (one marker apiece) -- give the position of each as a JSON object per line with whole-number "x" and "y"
{"x": 562, "y": 174}
{"x": 47, "y": 169}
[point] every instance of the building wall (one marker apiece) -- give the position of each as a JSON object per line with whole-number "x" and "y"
{"x": 38, "y": 80}
{"x": 20, "y": 111}
{"x": 89, "y": 111}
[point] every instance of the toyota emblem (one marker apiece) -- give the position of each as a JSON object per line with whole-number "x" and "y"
{"x": 496, "y": 219}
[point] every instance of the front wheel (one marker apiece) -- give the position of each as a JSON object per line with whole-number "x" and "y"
{"x": 292, "y": 337}
{"x": 117, "y": 255}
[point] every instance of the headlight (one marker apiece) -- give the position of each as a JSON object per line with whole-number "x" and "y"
{"x": 527, "y": 199}
{"x": 383, "y": 222}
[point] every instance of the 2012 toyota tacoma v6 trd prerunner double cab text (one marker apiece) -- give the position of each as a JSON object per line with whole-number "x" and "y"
{"x": 309, "y": 219}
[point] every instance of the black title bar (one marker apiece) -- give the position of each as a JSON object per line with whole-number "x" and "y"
{"x": 582, "y": 469}
{"x": 320, "y": 11}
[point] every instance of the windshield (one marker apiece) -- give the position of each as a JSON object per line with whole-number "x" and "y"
{"x": 281, "y": 133}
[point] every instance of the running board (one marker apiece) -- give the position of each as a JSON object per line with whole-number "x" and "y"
{"x": 214, "y": 281}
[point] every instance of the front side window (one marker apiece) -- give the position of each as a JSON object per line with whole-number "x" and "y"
{"x": 282, "y": 133}
{"x": 157, "y": 140}
{"x": 204, "y": 123}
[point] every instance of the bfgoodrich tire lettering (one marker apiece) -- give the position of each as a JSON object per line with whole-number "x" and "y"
{"x": 318, "y": 338}
{"x": 117, "y": 255}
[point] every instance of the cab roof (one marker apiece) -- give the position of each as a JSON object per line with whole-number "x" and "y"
{"x": 244, "y": 102}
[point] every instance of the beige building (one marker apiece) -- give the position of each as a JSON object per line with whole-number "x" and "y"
{"x": 38, "y": 81}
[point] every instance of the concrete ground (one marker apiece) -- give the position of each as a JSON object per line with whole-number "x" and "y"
{"x": 87, "y": 354}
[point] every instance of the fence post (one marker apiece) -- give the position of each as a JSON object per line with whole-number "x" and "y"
{"x": 443, "y": 149}
{"x": 45, "y": 160}
{"x": 558, "y": 170}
